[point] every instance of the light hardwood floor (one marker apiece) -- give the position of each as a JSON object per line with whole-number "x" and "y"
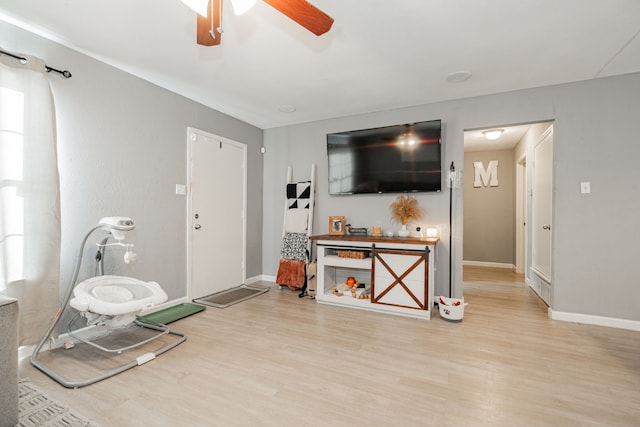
{"x": 277, "y": 360}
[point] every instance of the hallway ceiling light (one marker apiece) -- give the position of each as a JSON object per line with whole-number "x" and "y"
{"x": 493, "y": 134}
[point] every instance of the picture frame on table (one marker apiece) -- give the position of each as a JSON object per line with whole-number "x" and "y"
{"x": 337, "y": 226}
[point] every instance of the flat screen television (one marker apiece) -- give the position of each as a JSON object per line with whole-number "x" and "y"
{"x": 392, "y": 159}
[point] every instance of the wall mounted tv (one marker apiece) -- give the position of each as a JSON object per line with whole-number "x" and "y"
{"x": 392, "y": 159}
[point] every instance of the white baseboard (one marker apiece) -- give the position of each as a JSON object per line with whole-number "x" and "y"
{"x": 260, "y": 278}
{"x": 489, "y": 264}
{"x": 611, "y": 322}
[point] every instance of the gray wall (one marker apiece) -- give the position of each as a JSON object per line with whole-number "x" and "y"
{"x": 489, "y": 212}
{"x": 595, "y": 235}
{"x": 122, "y": 149}
{"x": 102, "y": 111}
{"x": 304, "y": 144}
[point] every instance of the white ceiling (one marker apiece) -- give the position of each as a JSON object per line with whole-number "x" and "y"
{"x": 379, "y": 54}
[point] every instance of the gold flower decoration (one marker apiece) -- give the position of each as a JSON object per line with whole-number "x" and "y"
{"x": 405, "y": 209}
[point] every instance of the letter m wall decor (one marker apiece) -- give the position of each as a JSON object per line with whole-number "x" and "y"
{"x": 484, "y": 177}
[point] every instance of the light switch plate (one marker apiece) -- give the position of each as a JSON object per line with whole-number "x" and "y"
{"x": 181, "y": 189}
{"x": 585, "y": 187}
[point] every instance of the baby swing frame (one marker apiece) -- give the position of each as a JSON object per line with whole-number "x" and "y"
{"x": 162, "y": 329}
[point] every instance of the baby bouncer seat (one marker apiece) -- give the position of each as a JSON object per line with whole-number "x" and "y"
{"x": 297, "y": 227}
{"x": 105, "y": 334}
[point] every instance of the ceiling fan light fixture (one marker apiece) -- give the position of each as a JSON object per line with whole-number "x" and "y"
{"x": 198, "y": 6}
{"x": 242, "y": 6}
{"x": 493, "y": 134}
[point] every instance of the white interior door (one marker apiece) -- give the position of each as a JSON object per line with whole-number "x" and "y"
{"x": 217, "y": 213}
{"x": 542, "y": 204}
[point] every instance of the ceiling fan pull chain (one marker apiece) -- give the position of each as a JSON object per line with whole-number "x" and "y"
{"x": 211, "y": 33}
{"x": 220, "y": 27}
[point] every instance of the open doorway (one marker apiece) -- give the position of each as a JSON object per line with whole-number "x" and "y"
{"x": 498, "y": 180}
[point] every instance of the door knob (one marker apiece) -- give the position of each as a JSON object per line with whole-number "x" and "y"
{"x": 546, "y": 227}
{"x": 197, "y": 226}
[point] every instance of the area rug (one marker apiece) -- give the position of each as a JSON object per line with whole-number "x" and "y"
{"x": 224, "y": 299}
{"x": 36, "y": 409}
{"x": 174, "y": 313}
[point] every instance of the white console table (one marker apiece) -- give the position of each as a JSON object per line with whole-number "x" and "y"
{"x": 399, "y": 271}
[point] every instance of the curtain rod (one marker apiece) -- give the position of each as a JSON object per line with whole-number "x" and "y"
{"x": 66, "y": 74}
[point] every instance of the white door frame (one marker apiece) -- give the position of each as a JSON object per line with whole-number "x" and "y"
{"x": 192, "y": 134}
{"x": 521, "y": 214}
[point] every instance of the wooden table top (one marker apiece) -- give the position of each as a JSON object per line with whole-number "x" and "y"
{"x": 375, "y": 239}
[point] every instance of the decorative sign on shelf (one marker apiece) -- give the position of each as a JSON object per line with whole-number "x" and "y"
{"x": 357, "y": 231}
{"x": 484, "y": 177}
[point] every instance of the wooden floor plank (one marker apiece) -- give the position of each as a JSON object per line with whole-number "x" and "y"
{"x": 280, "y": 360}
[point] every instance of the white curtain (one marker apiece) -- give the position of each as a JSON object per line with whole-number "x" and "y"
{"x": 29, "y": 195}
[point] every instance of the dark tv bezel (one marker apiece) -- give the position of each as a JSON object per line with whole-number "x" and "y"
{"x": 395, "y": 131}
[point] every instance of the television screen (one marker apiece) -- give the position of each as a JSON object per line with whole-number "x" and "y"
{"x": 391, "y": 159}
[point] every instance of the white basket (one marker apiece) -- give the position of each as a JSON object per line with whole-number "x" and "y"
{"x": 451, "y": 309}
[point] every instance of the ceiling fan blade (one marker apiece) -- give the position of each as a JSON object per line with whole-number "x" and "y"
{"x": 305, "y": 14}
{"x": 208, "y": 33}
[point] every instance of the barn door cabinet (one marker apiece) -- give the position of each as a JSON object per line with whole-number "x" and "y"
{"x": 398, "y": 272}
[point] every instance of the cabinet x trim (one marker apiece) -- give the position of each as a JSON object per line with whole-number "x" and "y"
{"x": 398, "y": 279}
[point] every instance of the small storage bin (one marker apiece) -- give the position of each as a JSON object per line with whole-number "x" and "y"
{"x": 451, "y": 309}
{"x": 353, "y": 254}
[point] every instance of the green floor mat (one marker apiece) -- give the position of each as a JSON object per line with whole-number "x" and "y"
{"x": 174, "y": 313}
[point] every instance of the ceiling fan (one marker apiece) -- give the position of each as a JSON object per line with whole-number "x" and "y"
{"x": 209, "y": 18}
